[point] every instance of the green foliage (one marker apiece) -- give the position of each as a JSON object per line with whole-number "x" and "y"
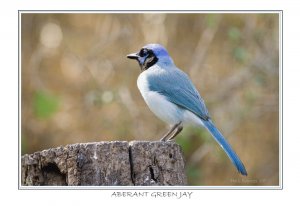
{"x": 211, "y": 20}
{"x": 205, "y": 135}
{"x": 23, "y": 145}
{"x": 44, "y": 104}
{"x": 234, "y": 34}
{"x": 260, "y": 79}
{"x": 250, "y": 96}
{"x": 191, "y": 137}
{"x": 194, "y": 175}
{"x": 240, "y": 54}
{"x": 184, "y": 142}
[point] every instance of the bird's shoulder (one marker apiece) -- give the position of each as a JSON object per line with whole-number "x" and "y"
{"x": 177, "y": 87}
{"x": 169, "y": 78}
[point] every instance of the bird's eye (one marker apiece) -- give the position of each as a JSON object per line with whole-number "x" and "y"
{"x": 143, "y": 52}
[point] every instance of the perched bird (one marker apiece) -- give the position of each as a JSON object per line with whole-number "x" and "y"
{"x": 172, "y": 97}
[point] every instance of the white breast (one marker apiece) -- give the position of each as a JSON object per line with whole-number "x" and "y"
{"x": 158, "y": 104}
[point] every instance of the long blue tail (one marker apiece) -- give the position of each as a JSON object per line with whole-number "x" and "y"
{"x": 225, "y": 145}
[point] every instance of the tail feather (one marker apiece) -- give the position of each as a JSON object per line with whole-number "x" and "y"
{"x": 225, "y": 145}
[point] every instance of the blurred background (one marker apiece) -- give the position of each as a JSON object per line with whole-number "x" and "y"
{"x": 78, "y": 86}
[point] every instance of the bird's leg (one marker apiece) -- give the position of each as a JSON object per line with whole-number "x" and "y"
{"x": 177, "y": 131}
{"x": 170, "y": 132}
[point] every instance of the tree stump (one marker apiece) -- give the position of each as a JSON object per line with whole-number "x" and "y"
{"x": 116, "y": 163}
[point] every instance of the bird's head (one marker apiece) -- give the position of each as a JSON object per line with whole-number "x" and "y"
{"x": 151, "y": 54}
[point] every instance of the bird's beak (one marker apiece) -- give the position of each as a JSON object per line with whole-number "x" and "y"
{"x": 133, "y": 56}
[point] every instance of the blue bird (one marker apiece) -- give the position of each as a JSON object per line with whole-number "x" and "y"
{"x": 172, "y": 97}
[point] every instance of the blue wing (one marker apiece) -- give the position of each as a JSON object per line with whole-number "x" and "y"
{"x": 176, "y": 86}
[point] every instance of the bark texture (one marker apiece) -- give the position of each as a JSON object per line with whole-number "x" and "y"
{"x": 113, "y": 163}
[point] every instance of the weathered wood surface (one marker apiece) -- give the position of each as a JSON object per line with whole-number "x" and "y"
{"x": 113, "y": 163}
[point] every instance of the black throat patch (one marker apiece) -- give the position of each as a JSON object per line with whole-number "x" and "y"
{"x": 149, "y": 61}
